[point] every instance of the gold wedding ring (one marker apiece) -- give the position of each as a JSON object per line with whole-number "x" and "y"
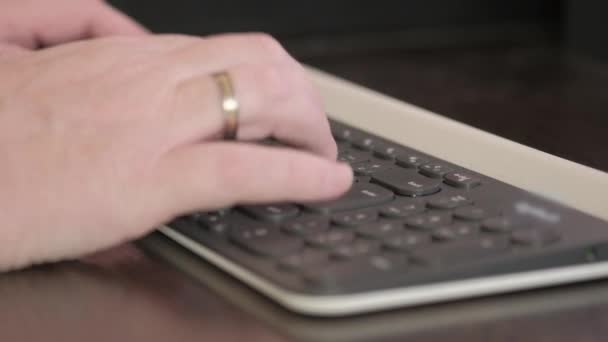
{"x": 230, "y": 105}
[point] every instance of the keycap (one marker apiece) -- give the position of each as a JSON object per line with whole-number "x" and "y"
{"x": 500, "y": 224}
{"x": 460, "y": 251}
{"x": 359, "y": 270}
{"x": 341, "y": 132}
{"x": 410, "y": 160}
{"x": 406, "y": 183}
{"x": 429, "y": 221}
{"x": 535, "y": 237}
{"x": 364, "y": 142}
{"x": 210, "y": 220}
{"x": 352, "y": 156}
{"x": 216, "y": 222}
{"x": 309, "y": 257}
{"x": 435, "y": 170}
{"x": 449, "y": 202}
{"x": 455, "y": 231}
{"x": 461, "y": 180}
{"x": 343, "y": 145}
{"x": 360, "y": 195}
{"x": 272, "y": 212}
{"x": 370, "y": 167}
{"x": 379, "y": 229}
{"x": 265, "y": 241}
{"x": 471, "y": 213}
{"x": 402, "y": 207}
{"x": 406, "y": 240}
{"x": 361, "y": 179}
{"x": 355, "y": 218}
{"x": 306, "y": 225}
{"x": 357, "y": 248}
{"x": 330, "y": 238}
{"x": 386, "y": 151}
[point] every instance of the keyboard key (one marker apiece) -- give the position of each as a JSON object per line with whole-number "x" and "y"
{"x": 406, "y": 183}
{"x": 499, "y": 224}
{"x": 410, "y": 160}
{"x": 456, "y": 231}
{"x": 535, "y": 237}
{"x": 356, "y": 249}
{"x": 309, "y": 257}
{"x": 435, "y": 170}
{"x": 306, "y": 225}
{"x": 362, "y": 179}
{"x": 343, "y": 145}
{"x": 331, "y": 238}
{"x": 402, "y": 207}
{"x": 370, "y": 167}
{"x": 429, "y": 221}
{"x": 355, "y": 218}
{"x": 364, "y": 142}
{"x": 461, "y": 180}
{"x": 358, "y": 270}
{"x": 265, "y": 241}
{"x": 272, "y": 212}
{"x": 216, "y": 222}
{"x": 386, "y": 151}
{"x": 471, "y": 213}
{"x": 352, "y": 156}
{"x": 250, "y": 233}
{"x": 449, "y": 202}
{"x": 360, "y": 195}
{"x": 377, "y": 230}
{"x": 406, "y": 241}
{"x": 461, "y": 251}
{"x": 342, "y": 132}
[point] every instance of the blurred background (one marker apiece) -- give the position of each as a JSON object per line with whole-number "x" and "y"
{"x": 534, "y": 71}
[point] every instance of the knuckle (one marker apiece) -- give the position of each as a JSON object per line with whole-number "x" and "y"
{"x": 271, "y": 82}
{"x": 269, "y": 45}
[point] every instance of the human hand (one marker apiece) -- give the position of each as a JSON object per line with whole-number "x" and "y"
{"x": 39, "y": 23}
{"x": 103, "y": 140}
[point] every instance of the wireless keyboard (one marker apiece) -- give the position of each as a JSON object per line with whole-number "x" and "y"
{"x": 413, "y": 229}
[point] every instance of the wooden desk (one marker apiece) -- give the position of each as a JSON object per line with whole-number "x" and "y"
{"x": 528, "y": 95}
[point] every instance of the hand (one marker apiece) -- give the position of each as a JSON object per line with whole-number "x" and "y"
{"x": 38, "y": 23}
{"x": 103, "y": 140}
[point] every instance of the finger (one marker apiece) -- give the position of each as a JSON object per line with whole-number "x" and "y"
{"x": 81, "y": 20}
{"x": 275, "y": 100}
{"x": 215, "y": 175}
{"x": 107, "y": 21}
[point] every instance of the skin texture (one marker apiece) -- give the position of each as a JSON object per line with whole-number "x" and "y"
{"x": 107, "y": 132}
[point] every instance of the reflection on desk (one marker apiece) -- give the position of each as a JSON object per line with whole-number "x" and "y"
{"x": 519, "y": 311}
{"x": 125, "y": 295}
{"x": 122, "y": 296}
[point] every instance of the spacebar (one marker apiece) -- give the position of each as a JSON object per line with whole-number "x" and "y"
{"x": 361, "y": 195}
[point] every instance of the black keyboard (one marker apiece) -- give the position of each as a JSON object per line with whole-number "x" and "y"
{"x": 409, "y": 220}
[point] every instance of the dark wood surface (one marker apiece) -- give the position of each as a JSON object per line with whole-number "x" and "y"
{"x": 532, "y": 95}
